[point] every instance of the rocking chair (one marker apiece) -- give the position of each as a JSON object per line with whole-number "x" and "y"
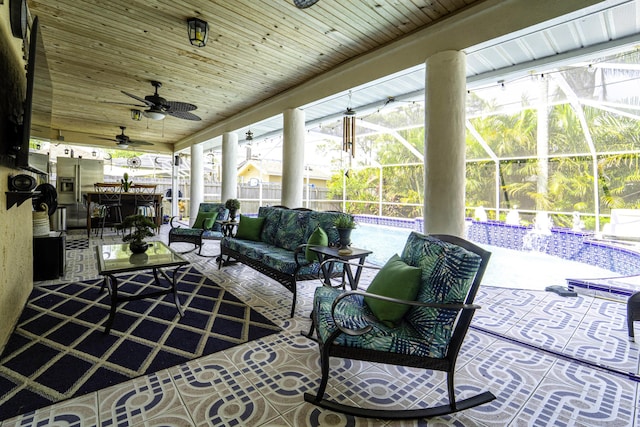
{"x": 428, "y": 335}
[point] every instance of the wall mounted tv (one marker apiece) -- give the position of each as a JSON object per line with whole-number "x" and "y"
{"x": 25, "y": 109}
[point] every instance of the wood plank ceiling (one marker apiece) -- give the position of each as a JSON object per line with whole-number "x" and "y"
{"x": 256, "y": 50}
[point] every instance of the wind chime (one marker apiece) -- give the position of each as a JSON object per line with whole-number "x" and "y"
{"x": 349, "y": 130}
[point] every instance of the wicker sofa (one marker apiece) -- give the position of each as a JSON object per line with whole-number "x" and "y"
{"x": 280, "y": 253}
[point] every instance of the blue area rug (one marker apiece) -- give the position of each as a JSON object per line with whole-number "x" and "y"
{"x": 59, "y": 349}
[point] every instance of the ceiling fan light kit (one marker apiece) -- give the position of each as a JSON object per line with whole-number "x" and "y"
{"x": 198, "y": 31}
{"x": 154, "y": 114}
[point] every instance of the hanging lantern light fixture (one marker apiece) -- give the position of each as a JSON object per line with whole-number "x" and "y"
{"x": 198, "y": 31}
{"x": 136, "y": 115}
{"x": 249, "y": 135}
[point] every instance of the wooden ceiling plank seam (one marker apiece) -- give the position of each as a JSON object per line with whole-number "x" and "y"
{"x": 284, "y": 27}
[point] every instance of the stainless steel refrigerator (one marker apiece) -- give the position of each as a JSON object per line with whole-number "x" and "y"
{"x": 75, "y": 177}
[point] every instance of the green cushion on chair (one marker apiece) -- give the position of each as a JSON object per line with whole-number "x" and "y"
{"x": 202, "y": 217}
{"x": 318, "y": 238}
{"x": 249, "y": 228}
{"x": 396, "y": 280}
{"x": 208, "y": 222}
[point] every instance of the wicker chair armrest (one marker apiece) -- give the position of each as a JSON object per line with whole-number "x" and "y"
{"x": 365, "y": 329}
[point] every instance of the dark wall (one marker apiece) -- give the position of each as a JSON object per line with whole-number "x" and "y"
{"x": 12, "y": 95}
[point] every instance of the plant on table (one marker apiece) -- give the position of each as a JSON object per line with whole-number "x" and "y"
{"x": 141, "y": 226}
{"x": 344, "y": 223}
{"x": 125, "y": 183}
{"x": 233, "y": 205}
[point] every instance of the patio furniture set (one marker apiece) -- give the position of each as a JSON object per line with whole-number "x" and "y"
{"x": 415, "y": 312}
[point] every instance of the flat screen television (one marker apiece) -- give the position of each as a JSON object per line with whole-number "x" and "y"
{"x": 37, "y": 103}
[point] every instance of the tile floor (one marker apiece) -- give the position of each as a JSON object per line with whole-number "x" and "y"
{"x": 549, "y": 360}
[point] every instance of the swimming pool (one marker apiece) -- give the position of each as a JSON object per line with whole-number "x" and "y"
{"x": 508, "y": 268}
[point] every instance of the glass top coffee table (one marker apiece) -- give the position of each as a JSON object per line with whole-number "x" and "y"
{"x": 117, "y": 259}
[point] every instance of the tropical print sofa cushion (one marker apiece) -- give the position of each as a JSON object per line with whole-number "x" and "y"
{"x": 353, "y": 313}
{"x": 292, "y": 229}
{"x": 447, "y": 275}
{"x": 279, "y": 259}
{"x": 212, "y": 235}
{"x": 270, "y": 226}
{"x": 248, "y": 248}
{"x": 324, "y": 220}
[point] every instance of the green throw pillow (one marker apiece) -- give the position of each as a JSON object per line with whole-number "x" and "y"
{"x": 396, "y": 280}
{"x": 202, "y": 217}
{"x": 249, "y": 228}
{"x": 319, "y": 238}
{"x": 208, "y": 222}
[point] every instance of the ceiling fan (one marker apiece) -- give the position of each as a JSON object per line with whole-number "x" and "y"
{"x": 158, "y": 107}
{"x": 123, "y": 141}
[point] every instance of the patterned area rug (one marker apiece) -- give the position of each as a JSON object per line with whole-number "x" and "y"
{"x": 59, "y": 349}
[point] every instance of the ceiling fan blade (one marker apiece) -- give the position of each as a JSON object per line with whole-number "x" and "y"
{"x": 105, "y": 139}
{"x": 179, "y": 106}
{"x": 185, "y": 115}
{"x": 144, "y": 101}
{"x": 132, "y": 142}
{"x": 125, "y": 103}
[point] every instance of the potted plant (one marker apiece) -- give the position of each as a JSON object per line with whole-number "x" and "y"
{"x": 141, "y": 227}
{"x": 125, "y": 183}
{"x": 233, "y": 205}
{"x": 344, "y": 223}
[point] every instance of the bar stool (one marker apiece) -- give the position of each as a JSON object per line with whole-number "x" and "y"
{"x": 145, "y": 199}
{"x": 110, "y": 204}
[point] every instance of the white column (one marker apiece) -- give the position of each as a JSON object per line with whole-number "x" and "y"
{"x": 197, "y": 181}
{"x": 175, "y": 189}
{"x": 293, "y": 157}
{"x": 229, "y": 167}
{"x": 444, "y": 159}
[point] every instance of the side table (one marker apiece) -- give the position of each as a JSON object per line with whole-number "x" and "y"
{"x": 326, "y": 253}
{"x": 228, "y": 227}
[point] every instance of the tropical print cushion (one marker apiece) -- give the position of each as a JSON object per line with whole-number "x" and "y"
{"x": 186, "y": 231}
{"x": 270, "y": 226}
{"x": 447, "y": 275}
{"x": 324, "y": 220}
{"x": 353, "y": 313}
{"x": 248, "y": 248}
{"x": 292, "y": 229}
{"x": 212, "y": 235}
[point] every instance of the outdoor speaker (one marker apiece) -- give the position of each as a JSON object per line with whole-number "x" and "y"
{"x": 22, "y": 183}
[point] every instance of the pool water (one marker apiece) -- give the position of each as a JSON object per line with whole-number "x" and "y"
{"x": 507, "y": 268}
